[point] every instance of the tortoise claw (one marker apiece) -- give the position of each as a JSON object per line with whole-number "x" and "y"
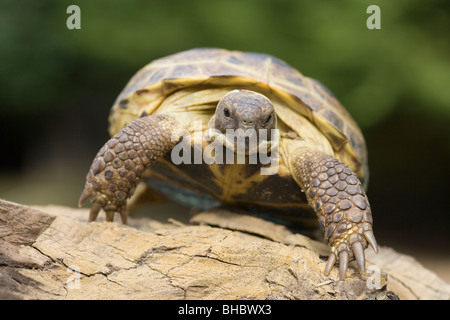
{"x": 343, "y": 264}
{"x": 358, "y": 252}
{"x": 352, "y": 248}
{"x": 97, "y": 205}
{"x": 330, "y": 263}
{"x": 371, "y": 240}
{"x": 84, "y": 196}
{"x": 123, "y": 215}
{"x": 110, "y": 216}
{"x": 95, "y": 209}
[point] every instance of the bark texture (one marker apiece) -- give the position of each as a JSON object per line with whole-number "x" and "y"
{"x": 52, "y": 252}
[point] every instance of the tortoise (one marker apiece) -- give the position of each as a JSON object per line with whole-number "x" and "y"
{"x": 212, "y": 127}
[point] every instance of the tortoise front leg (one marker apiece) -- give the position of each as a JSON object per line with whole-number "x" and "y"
{"x": 121, "y": 162}
{"x": 336, "y": 195}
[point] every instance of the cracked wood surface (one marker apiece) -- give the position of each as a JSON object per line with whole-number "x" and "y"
{"x": 53, "y": 253}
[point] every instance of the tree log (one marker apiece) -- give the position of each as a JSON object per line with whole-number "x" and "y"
{"x": 52, "y": 252}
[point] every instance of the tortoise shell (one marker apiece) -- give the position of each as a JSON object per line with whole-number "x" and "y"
{"x": 190, "y": 83}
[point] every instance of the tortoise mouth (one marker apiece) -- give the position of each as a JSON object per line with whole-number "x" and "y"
{"x": 245, "y": 142}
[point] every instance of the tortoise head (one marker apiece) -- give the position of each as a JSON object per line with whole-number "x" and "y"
{"x": 244, "y": 118}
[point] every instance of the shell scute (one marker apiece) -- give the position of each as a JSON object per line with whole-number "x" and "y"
{"x": 212, "y": 67}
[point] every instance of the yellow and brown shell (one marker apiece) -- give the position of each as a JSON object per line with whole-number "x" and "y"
{"x": 193, "y": 81}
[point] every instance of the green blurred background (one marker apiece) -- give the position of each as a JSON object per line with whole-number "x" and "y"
{"x": 57, "y": 86}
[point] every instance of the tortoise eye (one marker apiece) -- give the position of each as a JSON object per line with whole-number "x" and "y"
{"x": 267, "y": 121}
{"x": 226, "y": 113}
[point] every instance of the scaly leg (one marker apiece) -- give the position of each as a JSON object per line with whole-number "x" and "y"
{"x": 121, "y": 162}
{"x": 336, "y": 195}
